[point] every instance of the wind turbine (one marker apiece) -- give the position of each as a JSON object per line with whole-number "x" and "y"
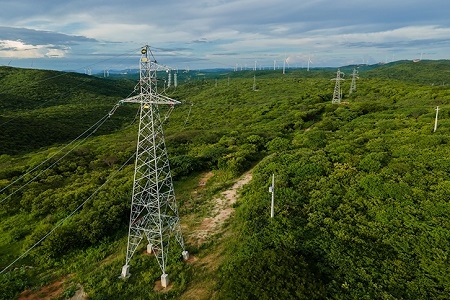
{"x": 309, "y": 61}
{"x": 417, "y": 60}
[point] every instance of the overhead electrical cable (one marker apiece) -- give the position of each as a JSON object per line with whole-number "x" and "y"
{"x": 95, "y": 127}
{"x": 60, "y": 223}
{"x": 42, "y": 81}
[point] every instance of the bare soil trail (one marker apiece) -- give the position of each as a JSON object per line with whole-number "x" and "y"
{"x": 222, "y": 210}
{"x": 205, "y": 277}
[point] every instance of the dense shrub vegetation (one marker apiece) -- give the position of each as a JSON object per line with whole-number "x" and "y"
{"x": 361, "y": 188}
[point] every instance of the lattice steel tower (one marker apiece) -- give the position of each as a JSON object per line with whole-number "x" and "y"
{"x": 353, "y": 84}
{"x": 154, "y": 213}
{"x": 337, "y": 95}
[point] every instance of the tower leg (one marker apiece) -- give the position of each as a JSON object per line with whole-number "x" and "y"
{"x": 164, "y": 280}
{"x": 125, "y": 271}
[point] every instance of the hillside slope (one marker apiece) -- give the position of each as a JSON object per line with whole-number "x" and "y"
{"x": 41, "y": 108}
{"x": 361, "y": 195}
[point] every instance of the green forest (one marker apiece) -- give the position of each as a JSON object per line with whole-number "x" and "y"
{"x": 361, "y": 189}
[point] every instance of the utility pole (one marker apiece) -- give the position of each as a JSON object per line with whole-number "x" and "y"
{"x": 154, "y": 213}
{"x": 353, "y": 84}
{"x": 272, "y": 191}
{"x": 436, "y": 119}
{"x": 337, "y": 95}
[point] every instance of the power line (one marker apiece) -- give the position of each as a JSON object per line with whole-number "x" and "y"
{"x": 60, "y": 223}
{"x": 61, "y": 73}
{"x": 99, "y": 123}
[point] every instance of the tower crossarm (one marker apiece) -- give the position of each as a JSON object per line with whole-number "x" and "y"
{"x": 157, "y": 67}
{"x": 150, "y": 99}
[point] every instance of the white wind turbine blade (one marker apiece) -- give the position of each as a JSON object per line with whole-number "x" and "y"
{"x": 309, "y": 61}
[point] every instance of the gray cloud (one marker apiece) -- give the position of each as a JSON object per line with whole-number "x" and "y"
{"x": 39, "y": 37}
{"x": 399, "y": 44}
{"x": 227, "y": 31}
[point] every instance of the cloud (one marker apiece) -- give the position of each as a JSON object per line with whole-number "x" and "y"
{"x": 19, "y": 49}
{"x": 40, "y": 37}
{"x": 29, "y": 43}
{"x": 225, "y": 30}
{"x": 200, "y": 41}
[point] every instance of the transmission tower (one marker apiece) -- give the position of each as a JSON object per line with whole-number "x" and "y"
{"x": 154, "y": 213}
{"x": 169, "y": 80}
{"x": 353, "y": 84}
{"x": 337, "y": 95}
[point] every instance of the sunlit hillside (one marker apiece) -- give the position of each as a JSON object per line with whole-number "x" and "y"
{"x": 361, "y": 188}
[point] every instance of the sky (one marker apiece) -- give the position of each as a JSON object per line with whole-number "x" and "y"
{"x": 90, "y": 36}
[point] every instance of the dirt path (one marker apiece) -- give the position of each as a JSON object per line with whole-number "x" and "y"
{"x": 51, "y": 291}
{"x": 204, "y": 281}
{"x": 223, "y": 208}
{"x": 54, "y": 290}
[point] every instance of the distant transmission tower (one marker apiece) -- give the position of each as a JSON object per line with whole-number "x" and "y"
{"x": 169, "y": 80}
{"x": 337, "y": 95}
{"x": 154, "y": 213}
{"x": 353, "y": 84}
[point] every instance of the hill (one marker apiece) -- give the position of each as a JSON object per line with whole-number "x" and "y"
{"x": 361, "y": 194}
{"x": 428, "y": 72}
{"x": 42, "y": 108}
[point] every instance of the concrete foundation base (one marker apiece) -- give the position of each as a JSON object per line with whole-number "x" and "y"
{"x": 125, "y": 271}
{"x": 149, "y": 248}
{"x": 185, "y": 255}
{"x": 164, "y": 280}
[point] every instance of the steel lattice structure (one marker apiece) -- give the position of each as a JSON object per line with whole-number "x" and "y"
{"x": 337, "y": 96}
{"x": 154, "y": 213}
{"x": 353, "y": 84}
